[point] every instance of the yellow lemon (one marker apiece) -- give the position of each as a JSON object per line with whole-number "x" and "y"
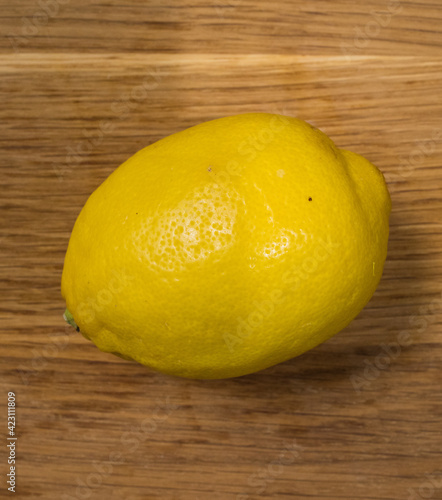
{"x": 227, "y": 248}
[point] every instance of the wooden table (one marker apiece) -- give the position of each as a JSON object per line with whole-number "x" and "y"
{"x": 87, "y": 84}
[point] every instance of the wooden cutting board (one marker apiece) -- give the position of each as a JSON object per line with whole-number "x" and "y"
{"x": 85, "y": 84}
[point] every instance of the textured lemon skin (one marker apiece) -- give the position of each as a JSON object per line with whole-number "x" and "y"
{"x": 228, "y": 247}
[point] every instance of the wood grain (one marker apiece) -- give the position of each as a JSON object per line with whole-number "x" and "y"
{"x": 99, "y": 81}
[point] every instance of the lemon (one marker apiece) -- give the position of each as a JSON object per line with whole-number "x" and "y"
{"x": 227, "y": 248}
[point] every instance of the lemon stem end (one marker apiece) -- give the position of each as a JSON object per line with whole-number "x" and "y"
{"x": 67, "y": 316}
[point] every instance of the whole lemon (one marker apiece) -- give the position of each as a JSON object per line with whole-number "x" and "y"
{"x": 228, "y": 247}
